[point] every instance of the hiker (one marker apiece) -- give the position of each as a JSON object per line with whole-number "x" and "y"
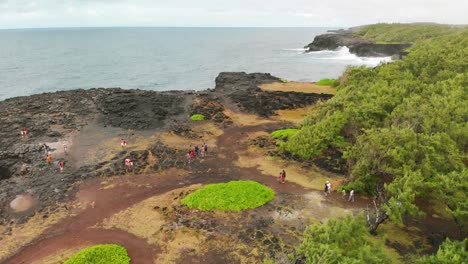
{"x": 128, "y": 163}
{"x": 123, "y": 142}
{"x": 351, "y": 196}
{"x": 327, "y": 188}
{"x": 65, "y": 149}
{"x": 205, "y": 147}
{"x": 46, "y": 148}
{"x": 197, "y": 150}
{"x": 192, "y": 155}
{"x": 49, "y": 159}
{"x": 344, "y": 194}
{"x": 61, "y": 165}
{"x": 24, "y": 132}
{"x": 282, "y": 177}
{"x": 41, "y": 167}
{"x": 24, "y": 168}
{"x": 202, "y": 153}
{"x": 189, "y": 158}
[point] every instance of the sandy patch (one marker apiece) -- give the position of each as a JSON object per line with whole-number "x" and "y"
{"x": 244, "y": 119}
{"x": 313, "y": 178}
{"x": 22, "y": 203}
{"x": 59, "y": 257}
{"x": 184, "y": 240}
{"x": 300, "y": 87}
{"x": 208, "y": 132}
{"x": 23, "y": 234}
{"x": 142, "y": 219}
{"x": 295, "y": 116}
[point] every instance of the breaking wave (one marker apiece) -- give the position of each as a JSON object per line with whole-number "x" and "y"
{"x": 343, "y": 54}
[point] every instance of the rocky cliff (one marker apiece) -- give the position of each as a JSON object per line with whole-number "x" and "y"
{"x": 357, "y": 45}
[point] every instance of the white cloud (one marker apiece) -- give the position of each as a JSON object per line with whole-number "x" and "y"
{"x": 64, "y": 13}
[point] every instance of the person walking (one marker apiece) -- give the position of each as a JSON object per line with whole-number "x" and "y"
{"x": 24, "y": 132}
{"x": 128, "y": 163}
{"x": 49, "y": 159}
{"x": 61, "y": 165}
{"x": 351, "y": 196}
{"x": 344, "y": 194}
{"x": 205, "y": 147}
{"x": 329, "y": 187}
{"x": 123, "y": 142}
{"x": 197, "y": 150}
{"x": 41, "y": 167}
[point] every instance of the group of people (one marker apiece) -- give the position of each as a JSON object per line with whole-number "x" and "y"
{"x": 351, "y": 195}
{"x": 282, "y": 177}
{"x": 197, "y": 151}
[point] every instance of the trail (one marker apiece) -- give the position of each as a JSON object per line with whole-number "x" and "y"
{"x": 79, "y": 230}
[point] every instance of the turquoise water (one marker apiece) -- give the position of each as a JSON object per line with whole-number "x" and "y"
{"x": 43, "y": 60}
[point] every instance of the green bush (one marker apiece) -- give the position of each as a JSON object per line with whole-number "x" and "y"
{"x": 283, "y": 80}
{"x": 343, "y": 240}
{"x": 231, "y": 196}
{"x": 327, "y": 82}
{"x": 284, "y": 133}
{"x": 101, "y": 254}
{"x": 197, "y": 117}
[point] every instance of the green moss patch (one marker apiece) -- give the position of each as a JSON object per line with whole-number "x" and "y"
{"x": 284, "y": 133}
{"x": 101, "y": 254}
{"x": 197, "y": 117}
{"x": 326, "y": 82}
{"x": 231, "y": 196}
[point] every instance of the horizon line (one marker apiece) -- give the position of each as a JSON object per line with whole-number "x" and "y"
{"x": 84, "y": 27}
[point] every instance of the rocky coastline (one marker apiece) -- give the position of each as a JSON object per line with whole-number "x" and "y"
{"x": 357, "y": 45}
{"x": 53, "y": 118}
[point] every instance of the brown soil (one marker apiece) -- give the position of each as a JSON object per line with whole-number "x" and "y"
{"x": 127, "y": 190}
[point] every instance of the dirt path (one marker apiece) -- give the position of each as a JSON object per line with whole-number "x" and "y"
{"x": 79, "y": 230}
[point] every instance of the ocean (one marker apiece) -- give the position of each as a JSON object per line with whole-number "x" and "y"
{"x": 44, "y": 60}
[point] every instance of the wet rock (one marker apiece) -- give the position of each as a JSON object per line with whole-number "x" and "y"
{"x": 356, "y": 44}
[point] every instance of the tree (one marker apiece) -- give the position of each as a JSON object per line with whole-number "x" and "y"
{"x": 343, "y": 240}
{"x": 450, "y": 252}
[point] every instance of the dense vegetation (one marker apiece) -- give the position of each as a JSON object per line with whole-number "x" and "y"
{"x": 402, "y": 128}
{"x": 231, "y": 196}
{"x": 341, "y": 241}
{"x": 101, "y": 254}
{"x": 404, "y": 33}
{"x": 450, "y": 252}
{"x": 283, "y": 133}
{"x": 327, "y": 82}
{"x": 197, "y": 117}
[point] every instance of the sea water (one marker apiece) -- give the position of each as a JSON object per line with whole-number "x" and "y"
{"x": 45, "y": 60}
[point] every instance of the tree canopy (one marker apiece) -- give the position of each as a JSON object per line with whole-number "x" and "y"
{"x": 343, "y": 240}
{"x": 403, "y": 125}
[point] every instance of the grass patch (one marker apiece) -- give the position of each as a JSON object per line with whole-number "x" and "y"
{"x": 231, "y": 196}
{"x": 283, "y": 80}
{"x": 284, "y": 133}
{"x": 101, "y": 254}
{"x": 327, "y": 82}
{"x": 197, "y": 117}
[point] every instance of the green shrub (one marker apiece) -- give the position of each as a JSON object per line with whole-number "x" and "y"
{"x": 284, "y": 133}
{"x": 101, "y": 254}
{"x": 283, "y": 80}
{"x": 327, "y": 82}
{"x": 231, "y": 196}
{"x": 343, "y": 240}
{"x": 197, "y": 117}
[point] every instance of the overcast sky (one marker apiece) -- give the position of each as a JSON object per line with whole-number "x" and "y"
{"x": 222, "y": 13}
